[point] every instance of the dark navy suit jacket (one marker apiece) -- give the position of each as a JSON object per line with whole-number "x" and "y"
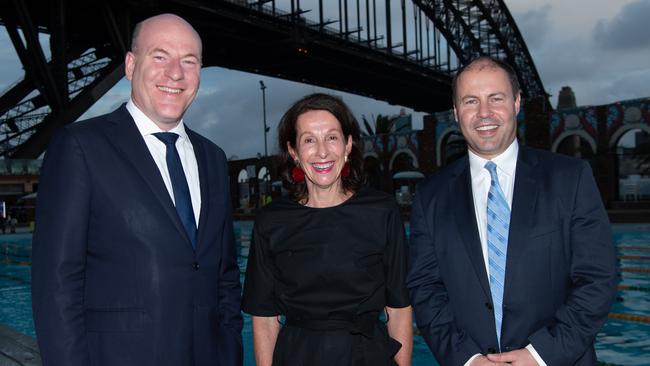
{"x": 560, "y": 270}
{"x": 115, "y": 280}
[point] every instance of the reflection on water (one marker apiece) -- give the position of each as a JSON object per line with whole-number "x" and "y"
{"x": 620, "y": 342}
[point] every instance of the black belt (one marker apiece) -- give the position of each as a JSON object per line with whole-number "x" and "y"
{"x": 369, "y": 350}
{"x": 363, "y": 324}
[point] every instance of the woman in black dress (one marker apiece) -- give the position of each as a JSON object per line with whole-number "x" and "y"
{"x": 327, "y": 262}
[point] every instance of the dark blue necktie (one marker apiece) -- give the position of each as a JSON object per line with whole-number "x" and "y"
{"x": 179, "y": 185}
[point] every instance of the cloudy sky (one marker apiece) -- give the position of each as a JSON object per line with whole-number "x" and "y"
{"x": 598, "y": 47}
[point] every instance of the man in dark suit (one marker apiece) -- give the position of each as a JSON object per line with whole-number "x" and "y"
{"x": 133, "y": 256}
{"x": 511, "y": 259}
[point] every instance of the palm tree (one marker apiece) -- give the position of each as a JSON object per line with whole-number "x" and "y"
{"x": 383, "y": 124}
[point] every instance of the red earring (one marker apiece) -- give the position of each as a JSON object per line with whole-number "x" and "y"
{"x": 297, "y": 174}
{"x": 346, "y": 169}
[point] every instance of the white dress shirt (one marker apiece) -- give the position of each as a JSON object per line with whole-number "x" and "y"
{"x": 506, "y": 164}
{"x": 158, "y": 151}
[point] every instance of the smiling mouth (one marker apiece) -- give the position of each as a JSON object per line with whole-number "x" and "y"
{"x": 169, "y": 90}
{"x": 322, "y": 167}
{"x": 487, "y": 128}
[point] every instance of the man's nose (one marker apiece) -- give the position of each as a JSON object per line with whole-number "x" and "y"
{"x": 484, "y": 110}
{"x": 174, "y": 70}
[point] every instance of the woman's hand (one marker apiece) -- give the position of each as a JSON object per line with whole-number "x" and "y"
{"x": 400, "y": 327}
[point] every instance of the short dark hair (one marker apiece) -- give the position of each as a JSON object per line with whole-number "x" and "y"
{"x": 494, "y": 62}
{"x": 287, "y": 133}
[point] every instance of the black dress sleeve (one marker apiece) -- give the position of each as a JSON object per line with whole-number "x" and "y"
{"x": 395, "y": 260}
{"x": 259, "y": 295}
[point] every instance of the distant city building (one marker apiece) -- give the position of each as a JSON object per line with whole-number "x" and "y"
{"x": 18, "y": 186}
{"x": 566, "y": 99}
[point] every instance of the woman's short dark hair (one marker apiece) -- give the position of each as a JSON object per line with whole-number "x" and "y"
{"x": 287, "y": 132}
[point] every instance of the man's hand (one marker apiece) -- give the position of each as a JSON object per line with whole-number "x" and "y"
{"x": 517, "y": 357}
{"x": 484, "y": 361}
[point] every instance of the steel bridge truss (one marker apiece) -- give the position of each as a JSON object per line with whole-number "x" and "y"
{"x": 403, "y": 52}
{"x": 54, "y": 91}
{"x": 485, "y": 27}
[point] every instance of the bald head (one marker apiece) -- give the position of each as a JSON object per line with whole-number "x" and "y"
{"x": 164, "y": 67}
{"x": 162, "y": 21}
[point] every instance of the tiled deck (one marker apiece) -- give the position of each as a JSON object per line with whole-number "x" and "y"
{"x": 17, "y": 349}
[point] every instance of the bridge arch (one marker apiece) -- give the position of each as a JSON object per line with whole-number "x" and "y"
{"x": 412, "y": 69}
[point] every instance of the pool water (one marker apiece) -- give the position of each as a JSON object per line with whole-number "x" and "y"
{"x": 623, "y": 340}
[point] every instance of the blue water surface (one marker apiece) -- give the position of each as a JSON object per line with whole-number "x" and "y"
{"x": 620, "y": 341}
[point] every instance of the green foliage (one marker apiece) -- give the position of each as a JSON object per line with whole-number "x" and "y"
{"x": 382, "y": 125}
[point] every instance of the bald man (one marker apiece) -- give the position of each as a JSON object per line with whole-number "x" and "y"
{"x": 133, "y": 255}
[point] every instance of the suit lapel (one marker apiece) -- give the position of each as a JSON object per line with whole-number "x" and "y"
{"x": 460, "y": 190}
{"x": 523, "y": 209}
{"x": 202, "y": 162}
{"x": 127, "y": 139}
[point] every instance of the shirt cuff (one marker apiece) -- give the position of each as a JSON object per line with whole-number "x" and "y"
{"x": 471, "y": 359}
{"x": 536, "y": 355}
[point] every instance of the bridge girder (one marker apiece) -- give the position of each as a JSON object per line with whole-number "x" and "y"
{"x": 485, "y": 27}
{"x": 88, "y": 41}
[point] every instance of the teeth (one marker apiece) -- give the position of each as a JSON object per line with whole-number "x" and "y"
{"x": 169, "y": 90}
{"x": 323, "y": 166}
{"x": 487, "y": 128}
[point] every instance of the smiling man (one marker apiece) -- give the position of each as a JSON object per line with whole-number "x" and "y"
{"x": 133, "y": 255}
{"x": 511, "y": 259}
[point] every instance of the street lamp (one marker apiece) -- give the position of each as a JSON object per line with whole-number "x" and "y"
{"x": 266, "y": 128}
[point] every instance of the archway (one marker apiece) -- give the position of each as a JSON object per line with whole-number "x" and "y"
{"x": 403, "y": 160}
{"x": 576, "y": 144}
{"x": 264, "y": 182}
{"x": 242, "y": 183}
{"x": 452, "y": 147}
{"x": 633, "y": 157}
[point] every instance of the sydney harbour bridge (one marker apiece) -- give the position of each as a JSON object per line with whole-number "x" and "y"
{"x": 400, "y": 51}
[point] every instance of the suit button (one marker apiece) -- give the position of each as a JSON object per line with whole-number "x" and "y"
{"x": 489, "y": 306}
{"x": 507, "y": 348}
{"x": 492, "y": 350}
{"x": 195, "y": 265}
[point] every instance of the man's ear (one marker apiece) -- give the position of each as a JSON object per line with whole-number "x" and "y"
{"x": 129, "y": 65}
{"x": 517, "y": 103}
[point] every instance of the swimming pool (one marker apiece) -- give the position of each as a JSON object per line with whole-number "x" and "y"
{"x": 624, "y": 340}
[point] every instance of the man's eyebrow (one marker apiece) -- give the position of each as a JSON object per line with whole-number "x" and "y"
{"x": 468, "y": 97}
{"x": 162, "y": 50}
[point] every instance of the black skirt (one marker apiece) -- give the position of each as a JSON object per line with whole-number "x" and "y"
{"x": 360, "y": 342}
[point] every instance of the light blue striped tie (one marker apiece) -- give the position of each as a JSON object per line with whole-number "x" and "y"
{"x": 498, "y": 227}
